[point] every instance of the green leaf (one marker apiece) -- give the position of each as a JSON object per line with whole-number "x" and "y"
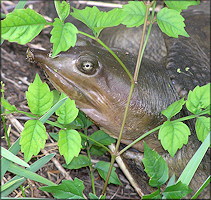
{"x": 62, "y": 9}
{"x": 7, "y": 105}
{"x": 97, "y": 151}
{"x": 171, "y": 22}
{"x": 173, "y": 135}
{"x": 63, "y": 36}
{"x": 173, "y": 109}
{"x": 171, "y": 181}
{"x": 22, "y": 25}
{"x": 85, "y": 120}
{"x": 102, "y": 168}
{"x": 88, "y": 16}
{"x": 96, "y": 20}
{"x": 103, "y": 138}
{"x": 155, "y": 167}
{"x": 10, "y": 156}
{"x": 176, "y": 191}
{"x": 193, "y": 164}
{"x": 92, "y": 196}
{"x": 134, "y": 13}
{"x": 56, "y": 96}
{"x": 33, "y": 138}
{"x": 202, "y": 127}
{"x": 154, "y": 195}
{"x": 198, "y": 99}
{"x": 55, "y": 136}
{"x": 78, "y": 162}
{"x": 39, "y": 97}
{"x": 109, "y": 19}
{"x": 66, "y": 112}
{"x": 69, "y": 144}
{"x": 68, "y": 189}
{"x": 180, "y": 5}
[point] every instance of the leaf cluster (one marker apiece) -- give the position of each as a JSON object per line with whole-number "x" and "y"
{"x": 22, "y": 25}
{"x": 173, "y": 134}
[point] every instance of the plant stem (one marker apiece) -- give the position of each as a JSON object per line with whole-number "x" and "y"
{"x": 128, "y": 102}
{"x": 92, "y": 174}
{"x": 110, "y": 51}
{"x": 90, "y": 166}
{"x": 5, "y": 130}
{"x": 139, "y": 59}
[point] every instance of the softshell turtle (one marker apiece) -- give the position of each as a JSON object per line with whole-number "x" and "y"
{"x": 91, "y": 76}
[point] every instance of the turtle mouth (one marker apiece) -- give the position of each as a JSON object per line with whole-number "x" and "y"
{"x": 52, "y": 75}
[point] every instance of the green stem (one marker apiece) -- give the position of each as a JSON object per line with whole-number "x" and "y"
{"x": 110, "y": 51}
{"x": 128, "y": 103}
{"x": 90, "y": 166}
{"x": 5, "y": 130}
{"x": 141, "y": 49}
{"x": 91, "y": 171}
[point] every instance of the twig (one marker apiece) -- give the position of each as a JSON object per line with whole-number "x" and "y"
{"x": 11, "y": 81}
{"x": 98, "y": 3}
{"x": 126, "y": 172}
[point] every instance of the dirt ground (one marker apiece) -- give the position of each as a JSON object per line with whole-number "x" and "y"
{"x": 17, "y": 74}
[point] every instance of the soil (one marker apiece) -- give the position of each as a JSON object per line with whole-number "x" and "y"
{"x": 17, "y": 74}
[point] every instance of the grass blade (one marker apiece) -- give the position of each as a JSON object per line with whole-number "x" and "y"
{"x": 34, "y": 167}
{"x": 15, "y": 148}
{"x": 45, "y": 117}
{"x": 204, "y": 185}
{"x": 21, "y": 4}
{"x": 9, "y": 184}
{"x": 193, "y": 164}
{"x": 10, "y": 156}
{"x": 29, "y": 174}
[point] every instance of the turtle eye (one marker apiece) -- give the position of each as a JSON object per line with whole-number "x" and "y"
{"x": 88, "y": 67}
